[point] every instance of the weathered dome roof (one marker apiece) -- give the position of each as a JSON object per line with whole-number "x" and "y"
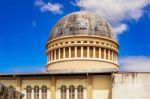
{"x": 82, "y": 23}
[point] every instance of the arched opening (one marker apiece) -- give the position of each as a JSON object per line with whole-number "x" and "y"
{"x": 80, "y": 92}
{"x": 28, "y": 92}
{"x": 44, "y": 92}
{"x": 36, "y": 92}
{"x": 63, "y": 92}
{"x": 71, "y": 92}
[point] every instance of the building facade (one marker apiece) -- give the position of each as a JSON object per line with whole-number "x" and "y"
{"x": 82, "y": 63}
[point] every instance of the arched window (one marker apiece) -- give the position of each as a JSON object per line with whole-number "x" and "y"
{"x": 28, "y": 92}
{"x": 44, "y": 92}
{"x": 71, "y": 92}
{"x": 63, "y": 92}
{"x": 80, "y": 92}
{"x": 36, "y": 92}
{"x": 11, "y": 87}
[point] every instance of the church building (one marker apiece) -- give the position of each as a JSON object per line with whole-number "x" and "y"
{"x": 82, "y": 63}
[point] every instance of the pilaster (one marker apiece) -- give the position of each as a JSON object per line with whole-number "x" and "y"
{"x": 89, "y": 87}
{"x": 53, "y": 87}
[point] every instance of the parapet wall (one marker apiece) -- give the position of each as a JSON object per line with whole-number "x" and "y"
{"x": 131, "y": 86}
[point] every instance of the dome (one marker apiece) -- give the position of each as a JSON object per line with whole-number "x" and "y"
{"x": 82, "y": 23}
{"x": 82, "y": 42}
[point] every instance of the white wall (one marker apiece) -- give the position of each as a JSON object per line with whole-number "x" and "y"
{"x": 131, "y": 86}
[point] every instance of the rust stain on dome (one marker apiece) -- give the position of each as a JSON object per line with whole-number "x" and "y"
{"x": 82, "y": 23}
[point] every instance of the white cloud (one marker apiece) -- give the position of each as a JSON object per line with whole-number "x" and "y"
{"x": 122, "y": 27}
{"x": 55, "y": 8}
{"x": 116, "y": 11}
{"x": 135, "y": 64}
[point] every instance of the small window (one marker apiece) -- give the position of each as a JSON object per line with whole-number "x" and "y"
{"x": 36, "y": 92}
{"x": 72, "y": 41}
{"x": 28, "y": 92}
{"x": 44, "y": 92}
{"x": 66, "y": 42}
{"x": 91, "y": 41}
{"x": 84, "y": 41}
{"x": 78, "y": 41}
{"x": 61, "y": 43}
{"x": 71, "y": 92}
{"x": 63, "y": 92}
{"x": 97, "y": 42}
{"x": 80, "y": 92}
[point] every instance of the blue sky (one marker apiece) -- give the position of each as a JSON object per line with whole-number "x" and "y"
{"x": 26, "y": 24}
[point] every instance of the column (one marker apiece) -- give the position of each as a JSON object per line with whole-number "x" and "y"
{"x": 59, "y": 93}
{"x": 76, "y": 94}
{"x": 53, "y": 87}
{"x": 88, "y": 55}
{"x": 69, "y": 52}
{"x": 116, "y": 58}
{"x": 51, "y": 55}
{"x": 48, "y": 58}
{"x": 59, "y": 54}
{"x": 32, "y": 93}
{"x": 89, "y": 87}
{"x": 55, "y": 54}
{"x": 81, "y": 51}
{"x": 100, "y": 53}
{"x": 75, "y": 52}
{"x": 93, "y": 52}
{"x": 48, "y": 94}
{"x": 112, "y": 56}
{"x": 67, "y": 93}
{"x": 64, "y": 53}
{"x": 84, "y": 94}
{"x": 108, "y": 54}
{"x": 40, "y": 93}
